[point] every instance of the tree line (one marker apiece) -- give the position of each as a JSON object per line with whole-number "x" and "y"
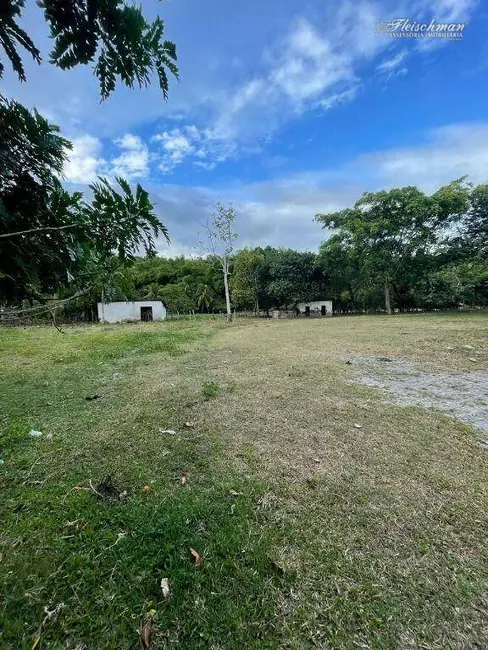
{"x": 399, "y": 249}
{"x": 393, "y": 250}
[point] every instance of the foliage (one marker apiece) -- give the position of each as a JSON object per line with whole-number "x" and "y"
{"x": 455, "y": 284}
{"x": 247, "y": 279}
{"x": 185, "y": 285}
{"x": 113, "y": 35}
{"x": 340, "y": 264}
{"x": 205, "y": 299}
{"x": 475, "y": 234}
{"x": 259, "y": 279}
{"x": 49, "y": 237}
{"x": 292, "y": 277}
{"x": 12, "y": 35}
{"x": 391, "y": 230}
{"x": 409, "y": 246}
{"x": 125, "y": 222}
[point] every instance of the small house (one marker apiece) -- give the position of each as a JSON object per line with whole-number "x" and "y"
{"x": 137, "y": 310}
{"x": 315, "y": 308}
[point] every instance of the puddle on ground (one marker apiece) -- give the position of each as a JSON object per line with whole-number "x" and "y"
{"x": 462, "y": 395}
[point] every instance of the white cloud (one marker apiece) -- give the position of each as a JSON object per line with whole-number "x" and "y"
{"x": 450, "y": 152}
{"x": 179, "y": 143}
{"x": 85, "y": 161}
{"x": 280, "y": 211}
{"x": 308, "y": 69}
{"x": 392, "y": 64}
{"x": 133, "y": 162}
{"x": 338, "y": 98}
{"x": 176, "y": 145}
{"x": 309, "y": 65}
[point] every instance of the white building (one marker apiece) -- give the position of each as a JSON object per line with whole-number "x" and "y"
{"x": 315, "y": 308}
{"x": 139, "y": 310}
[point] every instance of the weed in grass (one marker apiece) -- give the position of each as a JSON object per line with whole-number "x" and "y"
{"x": 210, "y": 389}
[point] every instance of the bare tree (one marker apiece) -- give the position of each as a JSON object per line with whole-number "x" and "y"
{"x": 219, "y": 241}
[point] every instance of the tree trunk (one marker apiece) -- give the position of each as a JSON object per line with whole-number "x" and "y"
{"x": 226, "y": 286}
{"x": 387, "y": 299}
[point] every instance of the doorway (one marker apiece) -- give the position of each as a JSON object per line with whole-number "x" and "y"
{"x": 307, "y": 311}
{"x": 146, "y": 314}
{"x": 323, "y": 310}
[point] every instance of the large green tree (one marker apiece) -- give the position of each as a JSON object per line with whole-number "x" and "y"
{"x": 292, "y": 277}
{"x": 391, "y": 233}
{"x": 475, "y": 225}
{"x": 341, "y": 266}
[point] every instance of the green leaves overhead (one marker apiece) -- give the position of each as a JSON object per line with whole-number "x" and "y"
{"x": 12, "y": 36}
{"x": 124, "y": 222}
{"x": 113, "y": 36}
{"x": 31, "y": 148}
{"x": 49, "y": 236}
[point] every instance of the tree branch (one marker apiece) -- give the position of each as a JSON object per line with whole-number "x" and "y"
{"x": 43, "y": 307}
{"x": 42, "y": 229}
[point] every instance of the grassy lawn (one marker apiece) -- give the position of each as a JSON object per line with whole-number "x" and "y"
{"x": 323, "y": 516}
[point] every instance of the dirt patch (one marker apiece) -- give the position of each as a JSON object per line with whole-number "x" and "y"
{"x": 462, "y": 395}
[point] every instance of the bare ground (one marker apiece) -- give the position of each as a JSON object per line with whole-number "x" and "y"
{"x": 462, "y": 395}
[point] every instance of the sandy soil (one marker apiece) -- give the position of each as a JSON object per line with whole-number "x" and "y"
{"x": 462, "y": 395}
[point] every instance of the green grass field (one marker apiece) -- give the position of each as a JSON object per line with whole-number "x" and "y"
{"x": 312, "y": 532}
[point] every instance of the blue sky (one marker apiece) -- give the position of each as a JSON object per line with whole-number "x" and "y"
{"x": 285, "y": 108}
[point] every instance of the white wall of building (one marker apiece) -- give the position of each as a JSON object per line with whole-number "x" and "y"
{"x": 116, "y": 312}
{"x": 316, "y": 306}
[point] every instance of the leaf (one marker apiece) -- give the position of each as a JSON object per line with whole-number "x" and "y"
{"x": 165, "y": 590}
{"x": 358, "y": 426}
{"x": 189, "y": 425}
{"x": 198, "y": 559}
{"x": 233, "y": 493}
{"x": 184, "y": 478}
{"x": 146, "y": 489}
{"x": 145, "y": 632}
